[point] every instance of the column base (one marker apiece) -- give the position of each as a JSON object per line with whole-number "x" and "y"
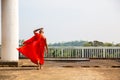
{"x": 8, "y": 64}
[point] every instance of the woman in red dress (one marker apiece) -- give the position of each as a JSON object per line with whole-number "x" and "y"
{"x": 34, "y": 47}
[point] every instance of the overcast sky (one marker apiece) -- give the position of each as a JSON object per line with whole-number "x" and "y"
{"x": 69, "y": 20}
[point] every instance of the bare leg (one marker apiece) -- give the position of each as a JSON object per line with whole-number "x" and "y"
{"x": 38, "y": 65}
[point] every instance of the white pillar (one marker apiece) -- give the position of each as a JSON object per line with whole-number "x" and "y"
{"x": 9, "y": 30}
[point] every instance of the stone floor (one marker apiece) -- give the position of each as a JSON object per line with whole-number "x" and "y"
{"x": 65, "y": 70}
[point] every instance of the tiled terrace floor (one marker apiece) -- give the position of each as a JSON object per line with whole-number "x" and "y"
{"x": 57, "y": 70}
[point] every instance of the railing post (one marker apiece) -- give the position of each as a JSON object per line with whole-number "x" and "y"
{"x": 82, "y": 52}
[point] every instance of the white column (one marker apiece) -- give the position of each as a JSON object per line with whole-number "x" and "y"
{"x": 9, "y": 30}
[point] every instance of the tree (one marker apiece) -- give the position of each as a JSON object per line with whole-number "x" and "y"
{"x": 117, "y": 45}
{"x": 108, "y": 44}
{"x": 94, "y": 43}
{"x": 97, "y": 43}
{"x": 87, "y": 44}
{"x": 21, "y": 42}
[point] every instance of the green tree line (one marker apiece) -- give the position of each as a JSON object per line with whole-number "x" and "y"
{"x": 99, "y": 43}
{"x": 94, "y": 43}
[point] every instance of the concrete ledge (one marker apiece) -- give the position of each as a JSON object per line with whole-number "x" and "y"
{"x": 67, "y": 59}
{"x": 8, "y": 63}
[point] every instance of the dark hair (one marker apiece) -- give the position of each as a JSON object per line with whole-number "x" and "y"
{"x": 41, "y": 30}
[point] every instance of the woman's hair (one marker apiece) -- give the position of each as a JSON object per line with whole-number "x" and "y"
{"x": 41, "y": 30}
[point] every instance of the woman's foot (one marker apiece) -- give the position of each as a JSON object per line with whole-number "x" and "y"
{"x": 39, "y": 65}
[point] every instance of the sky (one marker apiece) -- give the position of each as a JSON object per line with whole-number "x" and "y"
{"x": 69, "y": 20}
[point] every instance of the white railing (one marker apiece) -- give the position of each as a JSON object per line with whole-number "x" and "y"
{"x": 83, "y": 52}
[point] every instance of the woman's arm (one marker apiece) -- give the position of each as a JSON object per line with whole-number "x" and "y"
{"x": 36, "y": 30}
{"x": 46, "y": 46}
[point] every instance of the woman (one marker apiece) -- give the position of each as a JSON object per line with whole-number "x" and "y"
{"x": 34, "y": 47}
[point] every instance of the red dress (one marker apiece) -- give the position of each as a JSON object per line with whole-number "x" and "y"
{"x": 33, "y": 48}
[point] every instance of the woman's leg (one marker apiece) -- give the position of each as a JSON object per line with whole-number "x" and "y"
{"x": 38, "y": 63}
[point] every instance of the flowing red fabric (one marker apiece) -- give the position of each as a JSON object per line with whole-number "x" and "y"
{"x": 33, "y": 48}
